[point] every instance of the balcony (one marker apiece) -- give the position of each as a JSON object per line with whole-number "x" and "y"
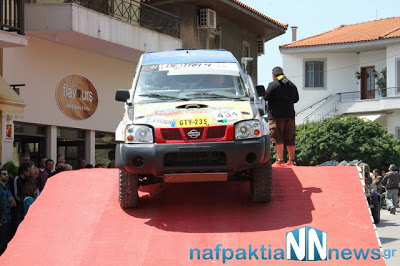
{"x": 380, "y": 100}
{"x": 120, "y": 29}
{"x": 12, "y": 24}
{"x": 370, "y": 104}
{"x": 135, "y": 13}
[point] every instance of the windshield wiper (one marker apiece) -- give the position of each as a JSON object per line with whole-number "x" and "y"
{"x": 162, "y": 96}
{"x": 215, "y": 95}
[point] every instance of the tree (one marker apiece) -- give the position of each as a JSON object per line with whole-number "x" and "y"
{"x": 347, "y": 139}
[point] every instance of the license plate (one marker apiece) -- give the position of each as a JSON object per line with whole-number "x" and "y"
{"x": 199, "y": 122}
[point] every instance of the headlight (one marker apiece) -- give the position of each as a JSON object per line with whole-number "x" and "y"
{"x": 138, "y": 134}
{"x": 248, "y": 129}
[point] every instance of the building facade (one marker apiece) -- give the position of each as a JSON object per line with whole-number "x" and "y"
{"x": 350, "y": 70}
{"x": 75, "y": 54}
{"x": 75, "y": 59}
{"x": 12, "y": 35}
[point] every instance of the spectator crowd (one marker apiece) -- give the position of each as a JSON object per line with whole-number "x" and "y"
{"x": 19, "y": 192}
{"x": 386, "y": 185}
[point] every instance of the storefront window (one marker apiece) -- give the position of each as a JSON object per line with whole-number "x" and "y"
{"x": 66, "y": 133}
{"x": 105, "y": 148}
{"x": 29, "y": 139}
{"x": 28, "y": 129}
{"x": 71, "y": 144}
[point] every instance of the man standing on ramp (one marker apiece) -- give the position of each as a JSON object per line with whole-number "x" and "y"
{"x": 281, "y": 95}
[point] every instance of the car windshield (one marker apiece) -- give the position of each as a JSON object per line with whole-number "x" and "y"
{"x": 182, "y": 82}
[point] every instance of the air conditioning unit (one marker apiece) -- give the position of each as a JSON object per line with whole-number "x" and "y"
{"x": 208, "y": 18}
{"x": 260, "y": 46}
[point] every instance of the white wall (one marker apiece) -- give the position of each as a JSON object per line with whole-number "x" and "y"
{"x": 340, "y": 75}
{"x": 373, "y": 58}
{"x": 43, "y": 64}
{"x": 393, "y": 121}
{"x": 54, "y": 20}
{"x": 341, "y": 69}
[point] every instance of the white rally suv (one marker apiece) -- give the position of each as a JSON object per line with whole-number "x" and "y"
{"x": 192, "y": 116}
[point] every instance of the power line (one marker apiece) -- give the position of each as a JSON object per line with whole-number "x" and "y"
{"x": 339, "y": 68}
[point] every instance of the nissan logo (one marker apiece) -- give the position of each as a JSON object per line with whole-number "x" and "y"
{"x": 194, "y": 134}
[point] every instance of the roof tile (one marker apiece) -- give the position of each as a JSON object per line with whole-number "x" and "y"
{"x": 373, "y": 30}
{"x": 283, "y": 25}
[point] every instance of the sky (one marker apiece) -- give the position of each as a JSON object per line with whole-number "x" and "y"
{"x": 313, "y": 17}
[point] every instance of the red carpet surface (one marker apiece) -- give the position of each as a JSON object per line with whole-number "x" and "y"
{"x": 77, "y": 221}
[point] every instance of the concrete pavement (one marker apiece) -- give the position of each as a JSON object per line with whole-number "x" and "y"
{"x": 389, "y": 231}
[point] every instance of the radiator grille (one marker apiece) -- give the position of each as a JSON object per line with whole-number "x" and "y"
{"x": 194, "y": 159}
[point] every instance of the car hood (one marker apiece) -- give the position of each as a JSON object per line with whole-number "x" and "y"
{"x": 192, "y": 114}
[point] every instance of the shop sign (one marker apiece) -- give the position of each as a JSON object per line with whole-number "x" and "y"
{"x": 76, "y": 97}
{"x": 8, "y": 131}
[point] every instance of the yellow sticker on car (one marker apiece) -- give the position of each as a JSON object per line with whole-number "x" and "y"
{"x": 193, "y": 122}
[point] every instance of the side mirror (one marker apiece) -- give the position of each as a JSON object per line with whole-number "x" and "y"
{"x": 122, "y": 95}
{"x": 260, "y": 90}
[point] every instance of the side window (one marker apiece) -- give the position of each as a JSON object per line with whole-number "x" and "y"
{"x": 315, "y": 73}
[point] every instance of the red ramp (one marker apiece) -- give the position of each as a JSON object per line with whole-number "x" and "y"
{"x": 77, "y": 220}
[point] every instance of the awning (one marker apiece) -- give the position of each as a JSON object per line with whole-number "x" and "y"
{"x": 370, "y": 117}
{"x": 10, "y": 102}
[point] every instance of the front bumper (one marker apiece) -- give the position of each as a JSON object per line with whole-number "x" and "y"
{"x": 225, "y": 156}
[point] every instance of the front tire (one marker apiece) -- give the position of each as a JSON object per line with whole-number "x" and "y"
{"x": 261, "y": 183}
{"x": 128, "y": 190}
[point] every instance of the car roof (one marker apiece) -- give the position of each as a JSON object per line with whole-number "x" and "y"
{"x": 188, "y": 56}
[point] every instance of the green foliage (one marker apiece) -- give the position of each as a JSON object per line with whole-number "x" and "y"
{"x": 273, "y": 153}
{"x": 11, "y": 168}
{"x": 381, "y": 79}
{"x": 347, "y": 139}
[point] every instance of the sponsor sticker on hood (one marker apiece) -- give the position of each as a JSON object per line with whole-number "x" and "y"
{"x": 192, "y": 114}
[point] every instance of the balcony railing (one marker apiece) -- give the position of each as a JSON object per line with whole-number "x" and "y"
{"x": 136, "y": 13}
{"x": 324, "y": 110}
{"x": 12, "y": 16}
{"x": 372, "y": 94}
{"x": 329, "y": 106}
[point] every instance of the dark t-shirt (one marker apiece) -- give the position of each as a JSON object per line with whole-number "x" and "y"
{"x": 281, "y": 96}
